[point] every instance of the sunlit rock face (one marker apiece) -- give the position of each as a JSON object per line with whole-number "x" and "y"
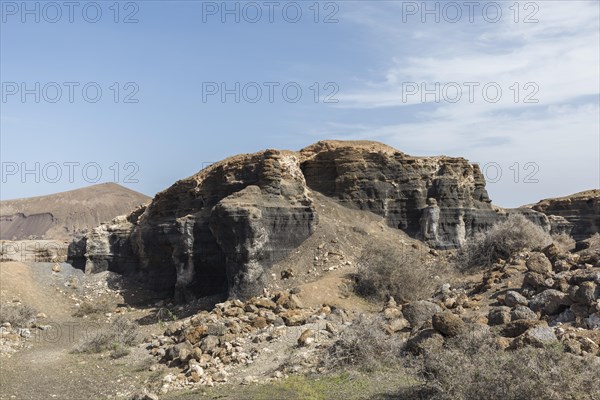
{"x": 374, "y": 177}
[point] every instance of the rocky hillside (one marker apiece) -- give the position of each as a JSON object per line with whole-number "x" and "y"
{"x": 61, "y": 215}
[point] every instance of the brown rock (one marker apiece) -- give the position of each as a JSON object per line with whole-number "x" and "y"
{"x": 294, "y": 317}
{"x": 263, "y": 303}
{"x": 448, "y": 324}
{"x": 538, "y": 262}
{"x": 518, "y": 327}
{"x": 306, "y": 338}
{"x": 259, "y": 322}
{"x": 534, "y": 279}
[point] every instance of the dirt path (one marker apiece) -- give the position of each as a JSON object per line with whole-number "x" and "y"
{"x": 47, "y": 368}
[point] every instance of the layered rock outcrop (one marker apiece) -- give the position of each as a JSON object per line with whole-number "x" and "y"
{"x": 222, "y": 229}
{"x": 214, "y": 232}
{"x": 377, "y": 178}
{"x": 581, "y": 212}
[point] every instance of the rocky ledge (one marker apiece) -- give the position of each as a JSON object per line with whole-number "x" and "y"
{"x": 581, "y": 210}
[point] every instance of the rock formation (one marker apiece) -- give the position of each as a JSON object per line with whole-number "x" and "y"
{"x": 581, "y": 212}
{"x": 216, "y": 231}
{"x": 374, "y": 177}
{"x": 222, "y": 229}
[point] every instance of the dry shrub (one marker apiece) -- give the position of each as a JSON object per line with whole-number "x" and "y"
{"x": 472, "y": 368}
{"x": 364, "y": 345}
{"x": 94, "y": 307}
{"x": 385, "y": 271}
{"x": 564, "y": 241}
{"x": 505, "y": 238}
{"x": 121, "y": 333}
{"x": 18, "y": 315}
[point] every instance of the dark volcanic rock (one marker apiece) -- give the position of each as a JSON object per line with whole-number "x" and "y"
{"x": 214, "y": 232}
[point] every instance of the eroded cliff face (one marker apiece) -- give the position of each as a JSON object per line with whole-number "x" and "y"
{"x": 222, "y": 229}
{"x": 214, "y": 232}
{"x": 374, "y": 177}
{"x": 580, "y": 210}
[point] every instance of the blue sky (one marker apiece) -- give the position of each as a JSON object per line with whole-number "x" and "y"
{"x": 376, "y": 65}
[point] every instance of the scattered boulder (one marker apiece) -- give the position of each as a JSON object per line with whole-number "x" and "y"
{"x": 513, "y": 299}
{"x": 499, "y": 316}
{"x": 538, "y": 336}
{"x": 522, "y": 312}
{"x": 448, "y": 324}
{"x": 550, "y": 302}
{"x": 419, "y": 312}
{"x": 518, "y": 327}
{"x": 538, "y": 262}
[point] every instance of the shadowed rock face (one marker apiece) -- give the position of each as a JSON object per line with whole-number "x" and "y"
{"x": 222, "y": 229}
{"x": 214, "y": 232}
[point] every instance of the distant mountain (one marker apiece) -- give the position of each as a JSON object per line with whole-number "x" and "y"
{"x": 61, "y": 215}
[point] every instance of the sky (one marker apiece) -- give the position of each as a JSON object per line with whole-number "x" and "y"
{"x": 143, "y": 93}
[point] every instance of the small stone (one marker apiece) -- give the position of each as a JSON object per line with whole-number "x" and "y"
{"x": 499, "y": 316}
{"x": 538, "y": 262}
{"x": 306, "y": 338}
{"x": 513, "y": 299}
{"x": 448, "y": 324}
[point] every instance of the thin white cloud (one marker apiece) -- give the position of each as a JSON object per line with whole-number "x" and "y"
{"x": 559, "y": 55}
